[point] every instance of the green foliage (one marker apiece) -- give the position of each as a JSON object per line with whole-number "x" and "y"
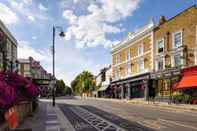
{"x": 182, "y": 98}
{"x": 84, "y": 82}
{"x": 62, "y": 89}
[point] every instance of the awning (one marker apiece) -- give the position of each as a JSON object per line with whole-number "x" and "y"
{"x": 104, "y": 87}
{"x": 187, "y": 82}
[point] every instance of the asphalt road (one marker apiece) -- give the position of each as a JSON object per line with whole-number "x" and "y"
{"x": 93, "y": 115}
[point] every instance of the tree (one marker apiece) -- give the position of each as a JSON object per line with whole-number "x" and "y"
{"x": 61, "y": 88}
{"x": 84, "y": 82}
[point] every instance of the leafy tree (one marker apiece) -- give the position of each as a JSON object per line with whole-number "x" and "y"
{"x": 61, "y": 88}
{"x": 84, "y": 82}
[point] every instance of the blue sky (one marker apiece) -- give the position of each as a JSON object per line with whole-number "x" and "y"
{"x": 91, "y": 27}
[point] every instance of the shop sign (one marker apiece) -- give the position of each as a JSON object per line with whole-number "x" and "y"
{"x": 176, "y": 73}
{"x": 168, "y": 75}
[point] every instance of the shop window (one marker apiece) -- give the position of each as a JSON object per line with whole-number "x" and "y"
{"x": 167, "y": 84}
{"x": 177, "y": 39}
{"x": 160, "y": 46}
{"x": 160, "y": 87}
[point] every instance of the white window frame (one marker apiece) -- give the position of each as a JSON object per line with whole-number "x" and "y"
{"x": 138, "y": 65}
{"x": 173, "y": 60}
{"x": 173, "y": 39}
{"x": 128, "y": 54}
{"x": 142, "y": 49}
{"x": 157, "y": 61}
{"x": 157, "y": 45}
{"x": 127, "y": 69}
{"x": 117, "y": 58}
{"x": 117, "y": 73}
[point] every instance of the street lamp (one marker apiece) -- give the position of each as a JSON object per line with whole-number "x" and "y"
{"x": 61, "y": 34}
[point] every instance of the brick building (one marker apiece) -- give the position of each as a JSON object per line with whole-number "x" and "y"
{"x": 175, "y": 48}
{"x": 132, "y": 63}
{"x": 8, "y": 49}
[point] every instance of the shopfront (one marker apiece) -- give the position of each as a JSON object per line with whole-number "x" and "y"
{"x": 133, "y": 87}
{"x": 188, "y": 83}
{"x": 163, "y": 82}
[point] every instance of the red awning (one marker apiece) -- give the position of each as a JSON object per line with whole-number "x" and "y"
{"x": 189, "y": 81}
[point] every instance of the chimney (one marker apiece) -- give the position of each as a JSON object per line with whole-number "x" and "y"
{"x": 162, "y": 20}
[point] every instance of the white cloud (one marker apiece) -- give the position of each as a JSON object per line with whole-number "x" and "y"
{"x": 31, "y": 18}
{"x": 69, "y": 60}
{"x": 7, "y": 15}
{"x": 68, "y": 14}
{"x": 28, "y": 2}
{"x": 91, "y": 29}
{"x": 34, "y": 37}
{"x": 27, "y": 9}
{"x": 42, "y": 7}
{"x": 115, "y": 10}
{"x": 25, "y": 50}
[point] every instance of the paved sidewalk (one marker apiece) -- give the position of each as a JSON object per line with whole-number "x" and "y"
{"x": 47, "y": 118}
{"x": 178, "y": 107}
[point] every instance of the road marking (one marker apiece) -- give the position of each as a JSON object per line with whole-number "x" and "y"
{"x": 151, "y": 124}
{"x": 178, "y": 124}
{"x": 51, "y": 114}
{"x": 52, "y": 128}
{"x": 52, "y": 122}
{"x": 94, "y": 120}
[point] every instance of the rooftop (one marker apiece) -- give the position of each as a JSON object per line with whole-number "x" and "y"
{"x": 132, "y": 36}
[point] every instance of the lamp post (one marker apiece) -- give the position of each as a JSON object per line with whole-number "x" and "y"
{"x": 61, "y": 34}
